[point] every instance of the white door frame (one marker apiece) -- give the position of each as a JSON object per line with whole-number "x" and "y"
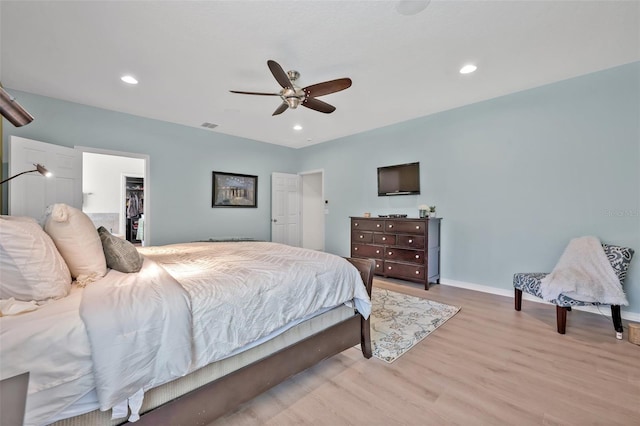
{"x": 305, "y": 225}
{"x": 147, "y": 174}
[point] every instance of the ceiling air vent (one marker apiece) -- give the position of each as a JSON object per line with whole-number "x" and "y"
{"x": 209, "y": 125}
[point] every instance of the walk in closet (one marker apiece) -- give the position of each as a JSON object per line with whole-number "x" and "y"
{"x": 135, "y": 209}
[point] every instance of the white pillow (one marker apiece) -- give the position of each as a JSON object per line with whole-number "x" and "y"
{"x": 31, "y": 268}
{"x": 78, "y": 242}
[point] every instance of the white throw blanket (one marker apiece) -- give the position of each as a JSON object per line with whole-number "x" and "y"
{"x": 584, "y": 273}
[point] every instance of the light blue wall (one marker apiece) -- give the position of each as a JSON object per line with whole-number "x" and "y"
{"x": 181, "y": 158}
{"x": 514, "y": 178}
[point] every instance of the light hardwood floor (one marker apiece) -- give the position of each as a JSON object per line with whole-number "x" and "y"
{"x": 488, "y": 365}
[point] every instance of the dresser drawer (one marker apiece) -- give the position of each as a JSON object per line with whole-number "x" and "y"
{"x": 367, "y": 225}
{"x": 404, "y": 226}
{"x": 404, "y": 255}
{"x": 413, "y": 241}
{"x": 361, "y": 237}
{"x": 403, "y": 270}
{"x": 367, "y": 250}
{"x": 387, "y": 239}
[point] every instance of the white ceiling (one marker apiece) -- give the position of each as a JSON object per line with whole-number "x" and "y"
{"x": 188, "y": 55}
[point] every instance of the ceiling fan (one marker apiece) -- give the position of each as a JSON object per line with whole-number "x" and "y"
{"x": 292, "y": 95}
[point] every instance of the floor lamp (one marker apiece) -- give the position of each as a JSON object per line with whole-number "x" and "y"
{"x": 38, "y": 168}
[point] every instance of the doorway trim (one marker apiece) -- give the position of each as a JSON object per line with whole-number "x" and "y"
{"x": 147, "y": 181}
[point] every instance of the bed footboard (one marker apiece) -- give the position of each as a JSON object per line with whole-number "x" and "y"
{"x": 366, "y": 268}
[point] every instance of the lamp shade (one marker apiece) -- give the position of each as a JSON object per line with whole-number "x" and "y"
{"x": 38, "y": 168}
{"x": 12, "y": 110}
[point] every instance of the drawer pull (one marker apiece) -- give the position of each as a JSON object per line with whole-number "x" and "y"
{"x": 355, "y": 224}
{"x": 384, "y": 238}
{"x": 417, "y": 226}
{"x": 410, "y": 241}
{"x": 390, "y": 226}
{"x": 390, "y": 253}
{"x": 355, "y": 249}
{"x": 377, "y": 265}
{"x": 377, "y": 251}
{"x": 417, "y": 256}
{"x": 389, "y": 267}
{"x": 378, "y": 225}
{"x": 361, "y": 236}
{"x": 417, "y": 272}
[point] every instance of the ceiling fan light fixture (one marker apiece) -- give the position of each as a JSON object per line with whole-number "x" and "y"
{"x": 468, "y": 69}
{"x": 292, "y": 101}
{"x": 297, "y": 127}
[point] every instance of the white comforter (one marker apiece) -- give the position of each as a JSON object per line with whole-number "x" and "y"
{"x": 242, "y": 291}
{"x": 146, "y": 329}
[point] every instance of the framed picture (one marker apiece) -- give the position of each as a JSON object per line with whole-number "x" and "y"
{"x": 234, "y": 190}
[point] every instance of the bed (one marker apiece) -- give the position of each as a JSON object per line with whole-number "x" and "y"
{"x": 197, "y": 331}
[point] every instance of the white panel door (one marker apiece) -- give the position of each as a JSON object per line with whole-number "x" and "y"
{"x": 285, "y": 209}
{"x": 30, "y": 194}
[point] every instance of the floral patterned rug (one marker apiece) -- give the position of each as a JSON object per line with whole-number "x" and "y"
{"x": 399, "y": 321}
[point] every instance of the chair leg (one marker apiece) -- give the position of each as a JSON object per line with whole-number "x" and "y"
{"x": 561, "y": 318}
{"x": 518, "y": 299}
{"x": 617, "y": 320}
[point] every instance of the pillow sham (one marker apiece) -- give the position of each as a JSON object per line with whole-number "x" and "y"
{"x": 78, "y": 242}
{"x": 119, "y": 253}
{"x": 32, "y": 268}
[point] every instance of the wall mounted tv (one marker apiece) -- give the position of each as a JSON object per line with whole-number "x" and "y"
{"x": 401, "y": 179}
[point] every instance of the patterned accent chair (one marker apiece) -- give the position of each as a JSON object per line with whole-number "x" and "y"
{"x": 620, "y": 259}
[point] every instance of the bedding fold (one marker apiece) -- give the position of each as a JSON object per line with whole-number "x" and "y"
{"x": 139, "y": 328}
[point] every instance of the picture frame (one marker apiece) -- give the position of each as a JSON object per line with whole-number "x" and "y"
{"x": 234, "y": 190}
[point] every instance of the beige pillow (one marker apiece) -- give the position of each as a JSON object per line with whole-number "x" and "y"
{"x": 121, "y": 255}
{"x": 31, "y": 268}
{"x": 78, "y": 242}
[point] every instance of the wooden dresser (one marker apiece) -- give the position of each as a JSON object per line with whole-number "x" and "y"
{"x": 404, "y": 248}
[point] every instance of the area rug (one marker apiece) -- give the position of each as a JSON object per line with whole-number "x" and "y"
{"x": 399, "y": 321}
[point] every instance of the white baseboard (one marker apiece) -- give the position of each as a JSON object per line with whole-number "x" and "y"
{"x": 628, "y": 315}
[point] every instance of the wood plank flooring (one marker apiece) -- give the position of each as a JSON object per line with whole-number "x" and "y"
{"x": 488, "y": 365}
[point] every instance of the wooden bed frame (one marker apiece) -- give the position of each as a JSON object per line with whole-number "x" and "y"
{"x": 211, "y": 401}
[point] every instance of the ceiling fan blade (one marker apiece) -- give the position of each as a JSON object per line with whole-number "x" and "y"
{"x": 318, "y": 105}
{"x": 282, "y": 108}
{"x": 255, "y": 93}
{"x": 328, "y": 87}
{"x": 279, "y": 74}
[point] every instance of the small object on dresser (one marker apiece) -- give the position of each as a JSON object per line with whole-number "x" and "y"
{"x": 367, "y": 214}
{"x": 634, "y": 333}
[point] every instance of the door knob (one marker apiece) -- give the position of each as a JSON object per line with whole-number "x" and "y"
{"x": 274, "y": 220}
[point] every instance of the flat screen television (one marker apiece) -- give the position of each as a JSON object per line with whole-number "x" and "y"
{"x": 401, "y": 179}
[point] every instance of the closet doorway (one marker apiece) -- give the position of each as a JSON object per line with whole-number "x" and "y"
{"x": 115, "y": 193}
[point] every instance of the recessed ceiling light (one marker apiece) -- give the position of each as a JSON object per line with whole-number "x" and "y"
{"x": 129, "y": 79}
{"x": 297, "y": 127}
{"x": 468, "y": 69}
